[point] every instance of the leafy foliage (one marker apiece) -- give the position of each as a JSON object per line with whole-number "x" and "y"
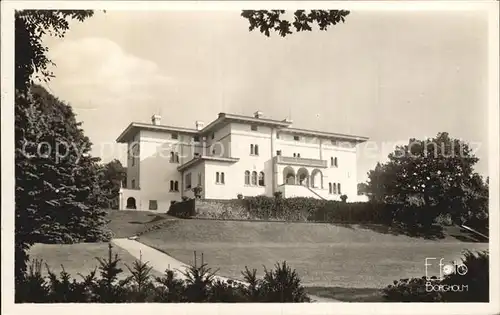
{"x": 31, "y": 26}
{"x": 111, "y": 176}
{"x": 55, "y": 196}
{"x": 57, "y": 181}
{"x": 197, "y": 191}
{"x": 267, "y": 21}
{"x": 477, "y": 279}
{"x": 410, "y": 290}
{"x": 471, "y": 287}
{"x": 434, "y": 175}
{"x": 199, "y": 284}
{"x": 282, "y": 284}
{"x": 362, "y": 188}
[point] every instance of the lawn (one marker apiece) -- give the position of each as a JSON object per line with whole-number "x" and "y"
{"x": 78, "y": 258}
{"x": 324, "y": 255}
{"x": 125, "y": 223}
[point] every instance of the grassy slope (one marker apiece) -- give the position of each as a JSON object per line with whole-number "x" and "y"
{"x": 128, "y": 223}
{"x": 323, "y": 254}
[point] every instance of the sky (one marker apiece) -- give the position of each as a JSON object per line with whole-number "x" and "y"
{"x": 389, "y": 76}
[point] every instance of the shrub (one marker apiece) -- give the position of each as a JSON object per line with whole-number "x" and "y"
{"x": 343, "y": 198}
{"x": 197, "y": 192}
{"x": 476, "y": 279}
{"x": 410, "y": 290}
{"x": 240, "y": 196}
{"x": 281, "y": 284}
{"x": 184, "y": 209}
{"x": 473, "y": 286}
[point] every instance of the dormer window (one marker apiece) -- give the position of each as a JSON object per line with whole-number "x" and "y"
{"x": 296, "y": 138}
{"x": 253, "y": 127}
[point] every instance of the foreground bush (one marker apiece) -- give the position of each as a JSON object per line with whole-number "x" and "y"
{"x": 281, "y": 284}
{"x": 473, "y": 286}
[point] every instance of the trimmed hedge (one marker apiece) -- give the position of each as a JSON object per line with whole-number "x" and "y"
{"x": 184, "y": 209}
{"x": 293, "y": 209}
{"x": 413, "y": 220}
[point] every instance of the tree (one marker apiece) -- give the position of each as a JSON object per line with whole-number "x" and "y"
{"x": 31, "y": 26}
{"x": 377, "y": 181}
{"x": 57, "y": 181}
{"x": 33, "y": 193}
{"x": 434, "y": 174}
{"x": 362, "y": 188}
{"x": 267, "y": 21}
{"x": 112, "y": 175}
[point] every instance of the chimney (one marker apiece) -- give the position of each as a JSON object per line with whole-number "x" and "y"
{"x": 257, "y": 114}
{"x": 156, "y": 119}
{"x": 199, "y": 125}
{"x": 288, "y": 120}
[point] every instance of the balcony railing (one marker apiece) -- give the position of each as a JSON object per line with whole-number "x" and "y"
{"x": 300, "y": 161}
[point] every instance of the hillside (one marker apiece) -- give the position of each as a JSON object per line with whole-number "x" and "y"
{"x": 323, "y": 254}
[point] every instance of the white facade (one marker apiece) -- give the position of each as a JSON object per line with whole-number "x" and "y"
{"x": 235, "y": 155}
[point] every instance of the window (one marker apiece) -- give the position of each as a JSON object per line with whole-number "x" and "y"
{"x": 247, "y": 178}
{"x": 261, "y": 179}
{"x": 213, "y": 152}
{"x": 254, "y": 149}
{"x": 335, "y": 162}
{"x": 277, "y": 135}
{"x": 174, "y": 185}
{"x": 253, "y": 127}
{"x": 219, "y": 177}
{"x": 199, "y": 179}
{"x": 176, "y": 157}
{"x": 331, "y": 161}
{"x": 254, "y": 178}
{"x": 334, "y": 188}
{"x": 172, "y": 157}
{"x": 298, "y": 155}
{"x": 153, "y": 205}
{"x": 175, "y": 136}
{"x": 196, "y": 154}
{"x": 133, "y": 160}
{"x": 330, "y": 190}
{"x": 296, "y": 138}
{"x": 339, "y": 191}
{"x": 188, "y": 180}
{"x": 133, "y": 183}
{"x": 196, "y": 138}
{"x": 278, "y": 152}
{"x": 213, "y": 135}
{"x": 295, "y": 155}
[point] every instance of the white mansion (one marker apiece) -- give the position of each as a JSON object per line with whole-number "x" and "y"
{"x": 234, "y": 155}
